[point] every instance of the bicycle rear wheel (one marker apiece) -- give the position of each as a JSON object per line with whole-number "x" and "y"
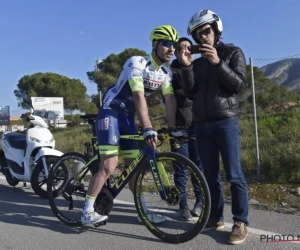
{"x": 146, "y": 192}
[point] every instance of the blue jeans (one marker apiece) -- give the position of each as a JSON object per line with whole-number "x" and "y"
{"x": 223, "y": 136}
{"x": 189, "y": 150}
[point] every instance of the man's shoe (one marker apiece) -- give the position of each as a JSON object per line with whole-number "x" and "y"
{"x": 238, "y": 234}
{"x": 214, "y": 225}
{"x": 185, "y": 214}
{"x": 197, "y": 209}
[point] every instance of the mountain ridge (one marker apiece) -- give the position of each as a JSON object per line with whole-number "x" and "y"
{"x": 285, "y": 72}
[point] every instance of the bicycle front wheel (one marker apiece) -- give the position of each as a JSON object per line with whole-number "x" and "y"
{"x": 67, "y": 201}
{"x": 185, "y": 187}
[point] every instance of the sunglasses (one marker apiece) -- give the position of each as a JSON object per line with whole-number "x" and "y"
{"x": 203, "y": 32}
{"x": 168, "y": 44}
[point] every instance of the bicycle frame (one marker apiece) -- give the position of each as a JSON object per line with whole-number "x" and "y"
{"x": 146, "y": 153}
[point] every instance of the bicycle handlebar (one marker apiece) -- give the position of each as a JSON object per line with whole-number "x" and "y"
{"x": 164, "y": 130}
{"x": 90, "y": 118}
{"x": 170, "y": 130}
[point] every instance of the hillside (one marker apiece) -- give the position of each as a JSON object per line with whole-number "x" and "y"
{"x": 284, "y": 73}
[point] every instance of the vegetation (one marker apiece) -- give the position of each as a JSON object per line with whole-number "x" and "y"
{"x": 54, "y": 85}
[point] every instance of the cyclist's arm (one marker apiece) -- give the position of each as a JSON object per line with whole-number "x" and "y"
{"x": 141, "y": 109}
{"x": 135, "y": 78}
{"x": 170, "y": 100}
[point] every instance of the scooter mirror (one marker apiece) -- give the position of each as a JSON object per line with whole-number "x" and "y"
{"x": 27, "y": 99}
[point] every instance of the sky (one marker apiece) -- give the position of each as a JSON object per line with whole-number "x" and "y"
{"x": 67, "y": 36}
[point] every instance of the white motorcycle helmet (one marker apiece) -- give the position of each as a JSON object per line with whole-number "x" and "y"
{"x": 204, "y": 17}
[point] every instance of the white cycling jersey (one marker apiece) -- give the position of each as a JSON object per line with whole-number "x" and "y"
{"x": 140, "y": 73}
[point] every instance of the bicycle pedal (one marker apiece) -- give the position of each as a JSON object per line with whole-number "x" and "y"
{"x": 102, "y": 223}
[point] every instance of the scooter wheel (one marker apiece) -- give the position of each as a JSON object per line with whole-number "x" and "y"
{"x": 10, "y": 180}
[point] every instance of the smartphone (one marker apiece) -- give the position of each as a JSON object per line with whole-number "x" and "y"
{"x": 194, "y": 49}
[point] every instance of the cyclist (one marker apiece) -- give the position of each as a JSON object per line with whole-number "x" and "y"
{"x": 140, "y": 77}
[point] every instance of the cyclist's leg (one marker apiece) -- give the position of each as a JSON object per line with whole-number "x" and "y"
{"x": 108, "y": 136}
{"x": 130, "y": 150}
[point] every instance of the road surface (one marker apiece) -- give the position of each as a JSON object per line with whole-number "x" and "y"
{"x": 26, "y": 223}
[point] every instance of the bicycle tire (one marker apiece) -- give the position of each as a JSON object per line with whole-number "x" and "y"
{"x": 52, "y": 195}
{"x": 199, "y": 226}
{"x": 35, "y": 185}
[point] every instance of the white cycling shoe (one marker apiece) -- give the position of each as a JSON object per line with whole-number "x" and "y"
{"x": 154, "y": 218}
{"x": 92, "y": 218}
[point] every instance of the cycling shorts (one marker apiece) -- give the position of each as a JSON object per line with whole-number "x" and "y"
{"x": 110, "y": 125}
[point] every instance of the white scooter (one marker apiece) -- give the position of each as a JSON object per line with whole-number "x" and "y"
{"x": 27, "y": 158}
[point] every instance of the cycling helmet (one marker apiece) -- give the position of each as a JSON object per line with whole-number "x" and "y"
{"x": 204, "y": 17}
{"x": 164, "y": 32}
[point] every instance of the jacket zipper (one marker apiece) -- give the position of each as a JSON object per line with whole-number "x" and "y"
{"x": 206, "y": 91}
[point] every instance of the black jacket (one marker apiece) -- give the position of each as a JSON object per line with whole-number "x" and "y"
{"x": 184, "y": 104}
{"x": 215, "y": 88}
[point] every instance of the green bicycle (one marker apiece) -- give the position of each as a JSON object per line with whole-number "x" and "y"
{"x": 148, "y": 163}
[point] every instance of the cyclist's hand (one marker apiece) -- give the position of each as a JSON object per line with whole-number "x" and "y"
{"x": 150, "y": 137}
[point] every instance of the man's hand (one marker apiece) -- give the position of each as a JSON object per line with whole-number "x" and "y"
{"x": 183, "y": 134}
{"x": 184, "y": 56}
{"x": 210, "y": 53}
{"x": 150, "y": 137}
{"x": 180, "y": 133}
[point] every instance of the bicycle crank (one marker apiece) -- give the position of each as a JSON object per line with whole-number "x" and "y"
{"x": 102, "y": 223}
{"x": 104, "y": 202}
{"x": 173, "y": 196}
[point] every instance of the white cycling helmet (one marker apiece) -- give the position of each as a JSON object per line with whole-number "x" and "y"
{"x": 204, "y": 17}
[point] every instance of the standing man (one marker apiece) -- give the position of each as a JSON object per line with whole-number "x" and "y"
{"x": 216, "y": 78}
{"x": 140, "y": 77}
{"x": 188, "y": 149}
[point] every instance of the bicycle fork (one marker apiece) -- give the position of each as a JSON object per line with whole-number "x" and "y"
{"x": 157, "y": 170}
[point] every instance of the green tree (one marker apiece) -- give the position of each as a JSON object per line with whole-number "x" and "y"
{"x": 52, "y": 85}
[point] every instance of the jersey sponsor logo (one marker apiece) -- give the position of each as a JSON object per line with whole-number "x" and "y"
{"x": 103, "y": 124}
{"x": 106, "y": 123}
{"x": 137, "y": 74}
{"x": 115, "y": 139}
{"x": 138, "y": 69}
{"x": 151, "y": 84}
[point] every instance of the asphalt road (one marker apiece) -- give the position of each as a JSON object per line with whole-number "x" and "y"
{"x": 26, "y": 223}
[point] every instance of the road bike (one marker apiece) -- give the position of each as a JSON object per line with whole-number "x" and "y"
{"x": 149, "y": 163}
